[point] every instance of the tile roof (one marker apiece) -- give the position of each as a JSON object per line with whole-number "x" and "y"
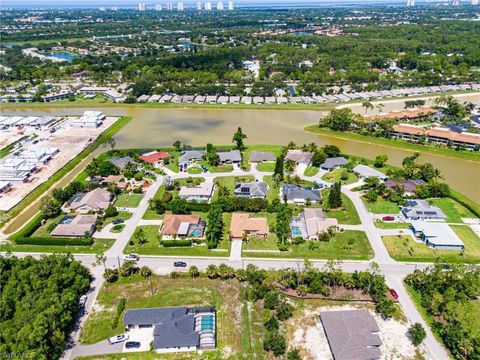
{"x": 444, "y": 133}
{"x": 98, "y": 199}
{"x": 171, "y": 223}
{"x": 78, "y": 226}
{"x": 154, "y": 156}
{"x": 244, "y": 223}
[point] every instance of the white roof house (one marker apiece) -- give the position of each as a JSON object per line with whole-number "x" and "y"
{"x": 90, "y": 119}
{"x": 365, "y": 171}
{"x": 202, "y": 192}
{"x": 437, "y": 235}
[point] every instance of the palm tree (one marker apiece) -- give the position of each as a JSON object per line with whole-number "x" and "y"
{"x": 100, "y": 259}
{"x": 380, "y": 107}
{"x": 367, "y": 105}
{"x": 211, "y": 271}
{"x": 193, "y": 271}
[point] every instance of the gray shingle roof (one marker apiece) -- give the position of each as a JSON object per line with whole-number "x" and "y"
{"x": 294, "y": 192}
{"x": 261, "y": 156}
{"x": 352, "y": 334}
{"x": 333, "y": 162}
{"x": 253, "y": 189}
{"x": 121, "y": 162}
{"x": 230, "y": 156}
{"x": 422, "y": 209}
{"x": 190, "y": 155}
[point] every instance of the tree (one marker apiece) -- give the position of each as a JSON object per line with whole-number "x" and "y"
{"x": 128, "y": 268}
{"x": 331, "y": 150}
{"x": 139, "y": 236}
{"x": 101, "y": 259}
{"x": 335, "y": 196}
{"x": 145, "y": 272}
{"x": 179, "y": 206}
{"x": 380, "y": 161}
{"x": 275, "y": 343}
{"x": 417, "y": 334}
{"x": 338, "y": 119}
{"x": 177, "y": 145}
{"x": 318, "y": 158}
{"x": 284, "y": 311}
{"x": 271, "y": 300}
{"x": 294, "y": 354}
{"x": 193, "y": 271}
{"x": 238, "y": 138}
{"x": 214, "y": 232}
{"x": 110, "y": 275}
{"x": 367, "y": 105}
{"x": 111, "y": 211}
{"x": 271, "y": 324}
{"x": 50, "y": 207}
{"x": 278, "y": 172}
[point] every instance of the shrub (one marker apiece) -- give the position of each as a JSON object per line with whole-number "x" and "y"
{"x": 417, "y": 334}
{"x": 38, "y": 240}
{"x": 166, "y": 197}
{"x": 176, "y": 243}
{"x": 118, "y": 312}
{"x": 275, "y": 343}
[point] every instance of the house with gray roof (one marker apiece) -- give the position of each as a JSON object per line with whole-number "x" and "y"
{"x": 333, "y": 163}
{"x": 176, "y": 329}
{"x": 299, "y": 156}
{"x": 230, "y": 157}
{"x": 437, "y": 235}
{"x": 261, "y": 156}
{"x": 352, "y": 334}
{"x": 295, "y": 194}
{"x": 251, "y": 190}
{"x": 364, "y": 171}
{"x": 121, "y": 162}
{"x": 189, "y": 156}
{"x": 417, "y": 209}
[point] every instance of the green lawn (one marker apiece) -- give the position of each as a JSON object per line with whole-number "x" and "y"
{"x": 335, "y": 176}
{"x": 151, "y": 214}
{"x": 124, "y": 215}
{"x": 273, "y": 191}
{"x": 347, "y": 214}
{"x": 225, "y": 296}
{"x": 128, "y": 200}
{"x": 349, "y": 244}
{"x": 266, "y": 167}
{"x": 42, "y": 230}
{"x": 452, "y": 209}
{"x": 195, "y": 170}
{"x": 153, "y": 247}
{"x": 311, "y": 171}
{"x": 391, "y": 225}
{"x": 381, "y": 206}
{"x": 404, "y": 248}
{"x": 270, "y": 243}
{"x": 229, "y": 182}
{"x": 118, "y": 228}
{"x": 99, "y": 246}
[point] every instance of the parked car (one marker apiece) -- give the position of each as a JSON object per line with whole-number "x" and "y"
{"x": 132, "y": 345}
{"x": 117, "y": 339}
{"x": 388, "y": 218}
{"x": 131, "y": 257}
{"x": 82, "y": 301}
{"x": 180, "y": 264}
{"x": 204, "y": 168}
{"x": 118, "y": 221}
{"x": 394, "y": 293}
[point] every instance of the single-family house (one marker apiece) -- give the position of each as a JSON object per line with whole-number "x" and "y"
{"x": 352, "y": 334}
{"x": 333, "y": 163}
{"x": 175, "y": 329}
{"x": 95, "y": 200}
{"x": 189, "y": 156}
{"x": 299, "y": 156}
{"x": 244, "y": 224}
{"x": 251, "y": 189}
{"x": 121, "y": 162}
{"x": 199, "y": 193}
{"x": 182, "y": 226}
{"x": 364, "y": 171}
{"x": 310, "y": 223}
{"x": 154, "y": 157}
{"x": 75, "y": 226}
{"x": 418, "y": 209}
{"x": 230, "y": 157}
{"x": 295, "y": 194}
{"x": 437, "y": 235}
{"x": 261, "y": 156}
{"x": 408, "y": 186}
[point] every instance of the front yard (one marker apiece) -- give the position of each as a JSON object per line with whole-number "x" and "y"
{"x": 99, "y": 246}
{"x": 347, "y": 214}
{"x": 336, "y": 175}
{"x": 404, "y": 248}
{"x": 349, "y": 244}
{"x": 128, "y": 200}
{"x": 381, "y": 206}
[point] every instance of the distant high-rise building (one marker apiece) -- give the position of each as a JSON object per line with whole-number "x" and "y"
{"x": 474, "y": 2}
{"x": 230, "y": 5}
{"x": 180, "y": 6}
{"x": 220, "y": 5}
{"x": 410, "y": 3}
{"x": 158, "y": 7}
{"x": 199, "y": 5}
{"x": 208, "y": 6}
{"x": 141, "y": 6}
{"x": 102, "y": 8}
{"x": 114, "y": 8}
{"x": 169, "y": 6}
{"x": 455, "y": 2}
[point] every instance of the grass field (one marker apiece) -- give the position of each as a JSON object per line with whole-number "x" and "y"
{"x": 266, "y": 167}
{"x": 349, "y": 244}
{"x": 347, "y": 214}
{"x": 404, "y": 248}
{"x": 335, "y": 176}
{"x": 99, "y": 246}
{"x": 229, "y": 183}
{"x": 151, "y": 214}
{"x": 225, "y": 296}
{"x": 128, "y": 200}
{"x": 381, "y": 206}
{"x": 273, "y": 191}
{"x": 452, "y": 209}
{"x": 311, "y": 171}
{"x": 391, "y": 225}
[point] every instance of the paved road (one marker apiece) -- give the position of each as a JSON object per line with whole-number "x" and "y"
{"x": 394, "y": 271}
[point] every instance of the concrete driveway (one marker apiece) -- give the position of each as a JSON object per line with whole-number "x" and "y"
{"x": 143, "y": 336}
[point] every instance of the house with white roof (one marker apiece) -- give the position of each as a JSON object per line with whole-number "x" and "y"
{"x": 364, "y": 171}
{"x": 437, "y": 235}
{"x": 199, "y": 193}
{"x": 15, "y": 169}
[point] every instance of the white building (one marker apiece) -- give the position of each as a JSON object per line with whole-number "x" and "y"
{"x": 199, "y": 193}
{"x": 208, "y": 6}
{"x": 158, "y": 7}
{"x": 180, "y": 6}
{"x": 220, "y": 5}
{"x": 15, "y": 169}
{"x": 141, "y": 6}
{"x": 230, "y": 5}
{"x": 199, "y": 5}
{"x": 90, "y": 119}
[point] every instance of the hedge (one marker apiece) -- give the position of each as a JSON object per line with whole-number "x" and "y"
{"x": 194, "y": 206}
{"x": 118, "y": 312}
{"x": 176, "y": 243}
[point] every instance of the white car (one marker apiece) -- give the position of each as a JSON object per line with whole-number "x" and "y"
{"x": 131, "y": 257}
{"x": 82, "y": 300}
{"x": 117, "y": 339}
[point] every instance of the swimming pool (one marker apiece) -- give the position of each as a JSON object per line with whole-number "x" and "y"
{"x": 208, "y": 323}
{"x": 196, "y": 232}
{"x": 296, "y": 231}
{"x": 67, "y": 219}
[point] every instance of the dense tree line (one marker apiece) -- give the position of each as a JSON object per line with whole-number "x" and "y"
{"x": 38, "y": 303}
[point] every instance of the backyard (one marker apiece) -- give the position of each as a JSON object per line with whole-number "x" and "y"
{"x": 229, "y": 183}
{"x": 454, "y": 211}
{"x": 347, "y": 214}
{"x": 404, "y": 248}
{"x": 336, "y": 175}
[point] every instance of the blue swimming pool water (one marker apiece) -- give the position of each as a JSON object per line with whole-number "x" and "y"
{"x": 196, "y": 232}
{"x": 207, "y": 323}
{"x": 62, "y": 55}
{"x": 296, "y": 231}
{"x": 67, "y": 219}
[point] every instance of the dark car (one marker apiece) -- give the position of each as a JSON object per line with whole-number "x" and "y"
{"x": 388, "y": 218}
{"x": 204, "y": 168}
{"x": 118, "y": 221}
{"x": 180, "y": 264}
{"x": 394, "y": 293}
{"x": 132, "y": 345}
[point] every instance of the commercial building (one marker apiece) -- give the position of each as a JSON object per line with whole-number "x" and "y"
{"x": 89, "y": 120}
{"x": 15, "y": 169}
